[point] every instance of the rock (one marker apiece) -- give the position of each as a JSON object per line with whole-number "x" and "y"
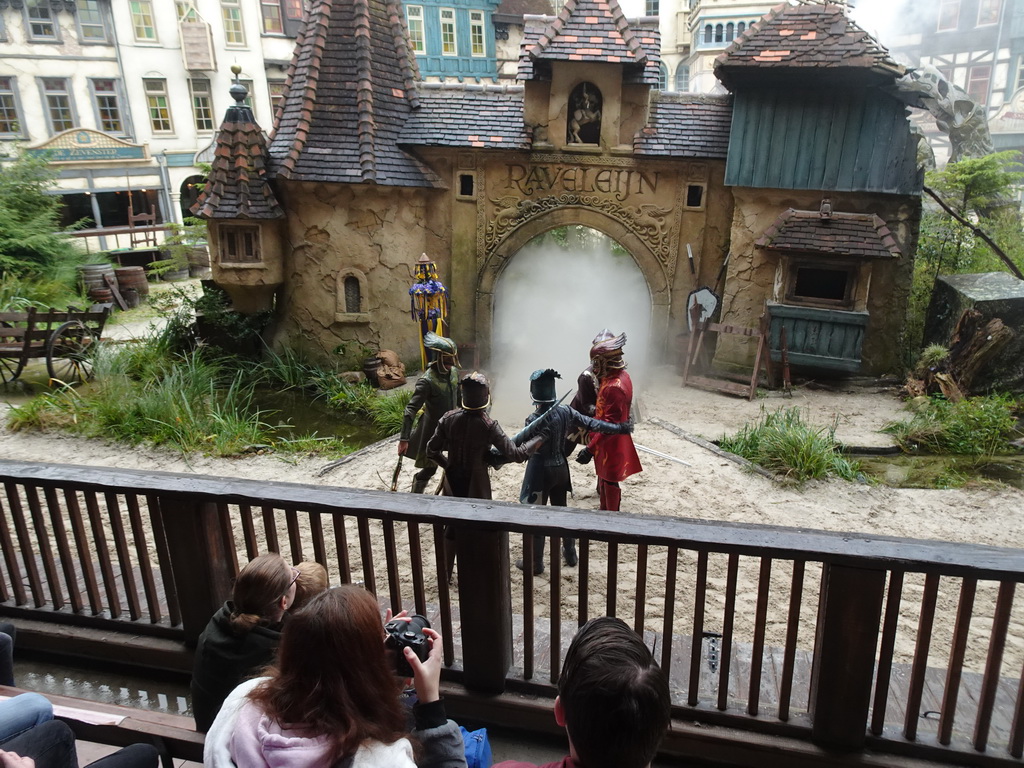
{"x": 352, "y": 377}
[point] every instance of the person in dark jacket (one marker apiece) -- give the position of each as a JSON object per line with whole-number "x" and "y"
{"x": 547, "y": 472}
{"x": 435, "y": 394}
{"x": 242, "y": 637}
{"x": 461, "y": 445}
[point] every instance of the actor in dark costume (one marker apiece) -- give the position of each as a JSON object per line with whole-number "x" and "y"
{"x": 435, "y": 393}
{"x": 615, "y": 457}
{"x": 585, "y": 401}
{"x": 467, "y": 435}
{"x": 547, "y": 472}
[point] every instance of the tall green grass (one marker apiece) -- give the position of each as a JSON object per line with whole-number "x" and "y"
{"x": 782, "y": 442}
{"x": 152, "y": 392}
{"x": 976, "y": 426}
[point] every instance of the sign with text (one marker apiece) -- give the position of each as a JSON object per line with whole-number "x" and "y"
{"x": 86, "y": 145}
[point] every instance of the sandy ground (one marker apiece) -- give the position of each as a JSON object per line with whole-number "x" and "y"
{"x": 711, "y": 488}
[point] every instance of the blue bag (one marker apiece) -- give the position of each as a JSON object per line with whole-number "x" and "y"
{"x": 478, "y": 748}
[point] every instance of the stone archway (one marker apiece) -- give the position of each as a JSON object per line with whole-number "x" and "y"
{"x": 494, "y": 263}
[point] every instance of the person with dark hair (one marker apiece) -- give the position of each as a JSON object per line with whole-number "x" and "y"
{"x": 615, "y": 456}
{"x": 613, "y": 700}
{"x": 333, "y": 698}
{"x": 435, "y": 395}
{"x": 547, "y": 471}
{"x": 243, "y": 635}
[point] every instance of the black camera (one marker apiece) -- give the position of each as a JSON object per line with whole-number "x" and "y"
{"x": 407, "y": 634}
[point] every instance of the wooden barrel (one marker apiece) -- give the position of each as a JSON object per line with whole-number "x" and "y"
{"x": 130, "y": 296}
{"x": 134, "y": 278}
{"x": 92, "y": 275}
{"x": 101, "y": 295}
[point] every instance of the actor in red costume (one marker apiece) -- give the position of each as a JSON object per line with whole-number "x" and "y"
{"x": 615, "y": 457}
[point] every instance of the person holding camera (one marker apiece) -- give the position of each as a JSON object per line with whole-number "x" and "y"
{"x": 333, "y": 696}
{"x": 613, "y": 700}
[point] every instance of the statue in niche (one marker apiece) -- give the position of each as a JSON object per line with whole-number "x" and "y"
{"x": 585, "y": 111}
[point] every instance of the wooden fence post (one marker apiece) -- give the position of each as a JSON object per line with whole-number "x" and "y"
{"x": 202, "y": 572}
{"x": 485, "y": 607}
{"x": 844, "y": 656}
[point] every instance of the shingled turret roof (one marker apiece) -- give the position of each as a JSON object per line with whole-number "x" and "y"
{"x": 591, "y": 31}
{"x": 804, "y": 37}
{"x": 237, "y": 187}
{"x": 350, "y": 89}
{"x": 862, "y": 235}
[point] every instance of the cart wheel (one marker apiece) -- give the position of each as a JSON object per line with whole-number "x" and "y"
{"x": 68, "y": 353}
{"x": 10, "y": 368}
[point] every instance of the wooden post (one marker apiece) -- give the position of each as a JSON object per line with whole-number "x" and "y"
{"x": 844, "y": 656}
{"x": 202, "y": 574}
{"x": 485, "y": 607}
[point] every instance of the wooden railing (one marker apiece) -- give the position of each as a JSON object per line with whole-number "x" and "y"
{"x": 836, "y": 641}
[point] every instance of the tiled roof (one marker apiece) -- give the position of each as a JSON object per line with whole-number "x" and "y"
{"x": 686, "y": 125}
{"x": 350, "y": 89}
{"x": 591, "y": 31}
{"x": 804, "y": 36}
{"x": 489, "y": 116}
{"x": 237, "y": 186}
{"x": 863, "y": 235}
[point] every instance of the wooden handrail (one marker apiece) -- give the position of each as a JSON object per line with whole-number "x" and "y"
{"x": 861, "y": 550}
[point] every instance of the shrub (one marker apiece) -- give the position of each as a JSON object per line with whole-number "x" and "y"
{"x": 782, "y": 442}
{"x": 973, "y": 427}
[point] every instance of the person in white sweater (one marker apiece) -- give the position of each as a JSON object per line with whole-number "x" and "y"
{"x": 332, "y": 699}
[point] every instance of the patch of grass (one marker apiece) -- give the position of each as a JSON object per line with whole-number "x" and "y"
{"x": 783, "y": 443}
{"x": 977, "y": 426}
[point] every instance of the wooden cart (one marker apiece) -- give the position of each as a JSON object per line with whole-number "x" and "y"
{"x": 66, "y": 338}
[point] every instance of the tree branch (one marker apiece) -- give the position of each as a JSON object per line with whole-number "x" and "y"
{"x": 978, "y": 231}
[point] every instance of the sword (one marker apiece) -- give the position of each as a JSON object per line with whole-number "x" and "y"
{"x": 521, "y": 436}
{"x": 659, "y": 454}
{"x": 397, "y": 472}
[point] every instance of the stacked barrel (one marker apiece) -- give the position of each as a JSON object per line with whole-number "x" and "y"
{"x": 131, "y": 283}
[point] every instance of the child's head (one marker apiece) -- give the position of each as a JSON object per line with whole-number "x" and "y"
{"x": 311, "y": 582}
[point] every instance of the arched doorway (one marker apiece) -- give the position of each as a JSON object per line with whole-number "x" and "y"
{"x": 190, "y": 189}
{"x": 550, "y": 300}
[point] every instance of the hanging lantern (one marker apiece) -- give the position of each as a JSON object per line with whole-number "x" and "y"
{"x": 428, "y": 302}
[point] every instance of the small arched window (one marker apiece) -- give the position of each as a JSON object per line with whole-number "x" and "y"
{"x": 730, "y": 32}
{"x": 662, "y": 77}
{"x": 683, "y": 77}
{"x": 739, "y": 28}
{"x": 353, "y": 294}
{"x": 719, "y": 33}
{"x": 708, "y": 34}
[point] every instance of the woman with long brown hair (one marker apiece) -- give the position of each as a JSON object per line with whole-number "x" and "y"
{"x": 243, "y": 635}
{"x": 332, "y": 699}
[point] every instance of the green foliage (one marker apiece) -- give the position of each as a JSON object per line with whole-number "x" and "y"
{"x": 974, "y": 427}
{"x": 17, "y": 294}
{"x": 782, "y": 442}
{"x": 978, "y": 189}
{"x": 178, "y": 245}
{"x": 32, "y": 247}
{"x": 241, "y": 328}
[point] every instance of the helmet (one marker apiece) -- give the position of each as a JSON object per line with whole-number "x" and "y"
{"x": 476, "y": 392}
{"x": 542, "y": 385}
{"x": 602, "y": 335}
{"x": 610, "y": 347}
{"x": 440, "y": 344}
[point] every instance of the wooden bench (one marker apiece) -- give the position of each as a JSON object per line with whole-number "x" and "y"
{"x": 174, "y": 736}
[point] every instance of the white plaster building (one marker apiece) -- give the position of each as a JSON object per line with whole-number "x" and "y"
{"x": 126, "y": 94}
